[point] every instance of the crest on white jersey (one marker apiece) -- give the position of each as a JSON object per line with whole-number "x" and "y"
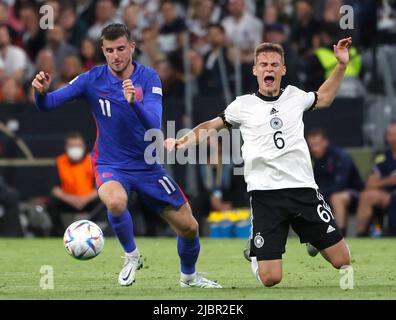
{"x": 276, "y": 123}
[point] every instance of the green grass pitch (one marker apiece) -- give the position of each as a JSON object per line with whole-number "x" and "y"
{"x": 304, "y": 277}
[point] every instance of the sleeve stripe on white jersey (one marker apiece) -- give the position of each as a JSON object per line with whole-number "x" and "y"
{"x": 157, "y": 90}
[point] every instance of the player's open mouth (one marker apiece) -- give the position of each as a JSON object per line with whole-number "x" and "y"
{"x": 269, "y": 80}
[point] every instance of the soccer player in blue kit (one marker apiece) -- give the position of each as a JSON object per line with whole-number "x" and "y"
{"x": 126, "y": 101}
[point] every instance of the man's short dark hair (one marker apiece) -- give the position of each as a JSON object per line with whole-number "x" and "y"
{"x": 114, "y": 31}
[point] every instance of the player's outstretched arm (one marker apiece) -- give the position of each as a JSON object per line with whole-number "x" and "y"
{"x": 328, "y": 90}
{"x": 47, "y": 101}
{"x": 196, "y": 135}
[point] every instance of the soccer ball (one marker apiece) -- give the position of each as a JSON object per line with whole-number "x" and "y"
{"x": 83, "y": 240}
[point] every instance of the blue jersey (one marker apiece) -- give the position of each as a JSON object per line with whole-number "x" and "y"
{"x": 120, "y": 126}
{"x": 118, "y": 154}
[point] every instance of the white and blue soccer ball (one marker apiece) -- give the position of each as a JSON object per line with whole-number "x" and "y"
{"x": 83, "y": 240}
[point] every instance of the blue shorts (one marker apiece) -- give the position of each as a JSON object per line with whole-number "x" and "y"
{"x": 153, "y": 185}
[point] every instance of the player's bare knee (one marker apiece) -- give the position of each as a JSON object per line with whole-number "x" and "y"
{"x": 116, "y": 205}
{"x": 269, "y": 279}
{"x": 190, "y": 230}
{"x": 344, "y": 259}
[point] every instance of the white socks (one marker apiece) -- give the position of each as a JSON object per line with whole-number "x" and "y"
{"x": 187, "y": 277}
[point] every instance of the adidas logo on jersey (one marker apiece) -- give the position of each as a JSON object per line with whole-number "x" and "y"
{"x": 273, "y": 111}
{"x": 330, "y": 229}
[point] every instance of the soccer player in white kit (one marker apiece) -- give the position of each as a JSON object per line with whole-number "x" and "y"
{"x": 277, "y": 164}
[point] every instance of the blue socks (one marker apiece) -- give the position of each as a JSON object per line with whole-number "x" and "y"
{"x": 123, "y": 228}
{"x": 188, "y": 250}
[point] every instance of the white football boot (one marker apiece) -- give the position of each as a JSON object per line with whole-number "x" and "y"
{"x": 133, "y": 261}
{"x": 196, "y": 280}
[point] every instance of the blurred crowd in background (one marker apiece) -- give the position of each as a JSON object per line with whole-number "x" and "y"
{"x": 205, "y": 48}
{"x": 161, "y": 28}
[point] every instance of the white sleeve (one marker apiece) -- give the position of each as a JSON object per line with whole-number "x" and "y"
{"x": 232, "y": 113}
{"x": 309, "y": 99}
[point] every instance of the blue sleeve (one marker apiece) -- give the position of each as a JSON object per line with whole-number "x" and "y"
{"x": 52, "y": 100}
{"x": 149, "y": 110}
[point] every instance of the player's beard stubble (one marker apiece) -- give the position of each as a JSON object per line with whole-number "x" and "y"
{"x": 119, "y": 67}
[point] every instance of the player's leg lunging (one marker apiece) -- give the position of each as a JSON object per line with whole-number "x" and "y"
{"x": 338, "y": 254}
{"x": 188, "y": 246}
{"x": 115, "y": 198}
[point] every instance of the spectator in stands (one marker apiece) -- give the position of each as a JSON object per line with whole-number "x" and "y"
{"x": 305, "y": 30}
{"x": 10, "y": 225}
{"x": 74, "y": 29}
{"x": 322, "y": 63}
{"x": 46, "y": 62}
{"x": 270, "y": 15}
{"x": 130, "y": 17}
{"x": 76, "y": 191}
{"x": 88, "y": 53}
{"x": 218, "y": 72}
{"x": 171, "y": 29}
{"x": 148, "y": 52}
{"x": 33, "y": 36}
{"x": 331, "y": 12}
{"x": 15, "y": 59}
{"x": 104, "y": 15}
{"x": 57, "y": 43}
{"x": 386, "y": 23}
{"x": 56, "y": 8}
{"x": 379, "y": 192}
{"x": 11, "y": 91}
{"x": 203, "y": 14}
{"x": 171, "y": 78}
{"x": 243, "y": 32}
{"x": 196, "y": 68}
{"x": 71, "y": 68}
{"x": 4, "y": 20}
{"x": 336, "y": 175}
{"x": 85, "y": 10}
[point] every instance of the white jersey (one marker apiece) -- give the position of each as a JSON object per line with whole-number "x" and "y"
{"x": 275, "y": 152}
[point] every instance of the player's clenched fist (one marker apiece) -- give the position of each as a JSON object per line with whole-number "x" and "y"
{"x": 41, "y": 82}
{"x": 129, "y": 91}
